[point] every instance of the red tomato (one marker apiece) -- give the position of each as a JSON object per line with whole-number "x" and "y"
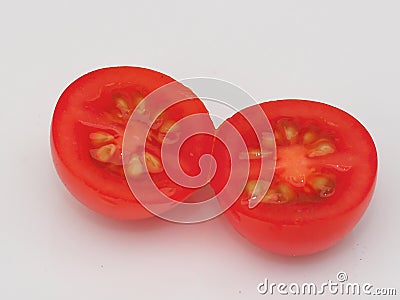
{"x": 326, "y": 165}
{"x": 87, "y": 131}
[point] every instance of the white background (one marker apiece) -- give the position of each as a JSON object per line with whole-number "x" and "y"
{"x": 345, "y": 53}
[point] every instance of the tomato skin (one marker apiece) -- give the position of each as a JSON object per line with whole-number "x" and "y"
{"x": 102, "y": 191}
{"x": 305, "y": 228}
{"x": 124, "y": 209}
{"x": 298, "y": 239}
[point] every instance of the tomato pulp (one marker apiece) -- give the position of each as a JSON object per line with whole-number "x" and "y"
{"x": 326, "y": 166}
{"x": 87, "y": 132}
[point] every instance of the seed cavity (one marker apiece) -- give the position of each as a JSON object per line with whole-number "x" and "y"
{"x": 256, "y": 190}
{"x": 104, "y": 153}
{"x": 153, "y": 163}
{"x": 100, "y": 137}
{"x": 323, "y": 185}
{"x": 286, "y": 193}
{"x": 282, "y": 193}
{"x": 309, "y": 137}
{"x": 272, "y": 196}
{"x": 135, "y": 167}
{"x": 321, "y": 147}
{"x": 288, "y": 131}
{"x": 299, "y": 177}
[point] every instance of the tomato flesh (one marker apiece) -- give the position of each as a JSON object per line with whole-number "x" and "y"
{"x": 87, "y": 135}
{"x": 326, "y": 166}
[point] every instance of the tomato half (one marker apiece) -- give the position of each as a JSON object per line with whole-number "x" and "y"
{"x": 87, "y": 132}
{"x": 326, "y": 166}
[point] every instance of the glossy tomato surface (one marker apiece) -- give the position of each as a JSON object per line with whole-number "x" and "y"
{"x": 87, "y": 134}
{"x": 326, "y": 167}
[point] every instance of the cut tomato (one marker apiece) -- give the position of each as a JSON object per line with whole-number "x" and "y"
{"x": 326, "y": 165}
{"x": 88, "y": 129}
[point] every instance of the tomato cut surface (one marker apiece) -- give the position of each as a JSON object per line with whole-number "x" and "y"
{"x": 326, "y": 165}
{"x": 87, "y": 134}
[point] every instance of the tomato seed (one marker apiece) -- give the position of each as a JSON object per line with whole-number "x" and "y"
{"x": 256, "y": 190}
{"x": 321, "y": 147}
{"x": 290, "y": 133}
{"x": 134, "y": 167}
{"x": 323, "y": 185}
{"x": 104, "y": 153}
{"x": 272, "y": 196}
{"x": 286, "y": 193}
{"x": 153, "y": 163}
{"x": 98, "y": 138}
{"x": 122, "y": 106}
{"x": 140, "y": 108}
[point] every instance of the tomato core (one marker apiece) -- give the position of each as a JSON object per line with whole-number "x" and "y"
{"x": 300, "y": 175}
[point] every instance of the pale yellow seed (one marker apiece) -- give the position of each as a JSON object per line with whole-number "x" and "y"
{"x": 140, "y": 108}
{"x": 271, "y": 196}
{"x": 104, "y": 153}
{"x": 309, "y": 137}
{"x": 319, "y": 182}
{"x": 153, "y": 163}
{"x": 323, "y": 185}
{"x": 286, "y": 192}
{"x": 122, "y": 105}
{"x": 256, "y": 191}
{"x": 257, "y": 188}
{"x": 134, "y": 167}
{"x": 281, "y": 194}
{"x": 321, "y": 148}
{"x": 250, "y": 186}
{"x": 97, "y": 138}
{"x": 290, "y": 133}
